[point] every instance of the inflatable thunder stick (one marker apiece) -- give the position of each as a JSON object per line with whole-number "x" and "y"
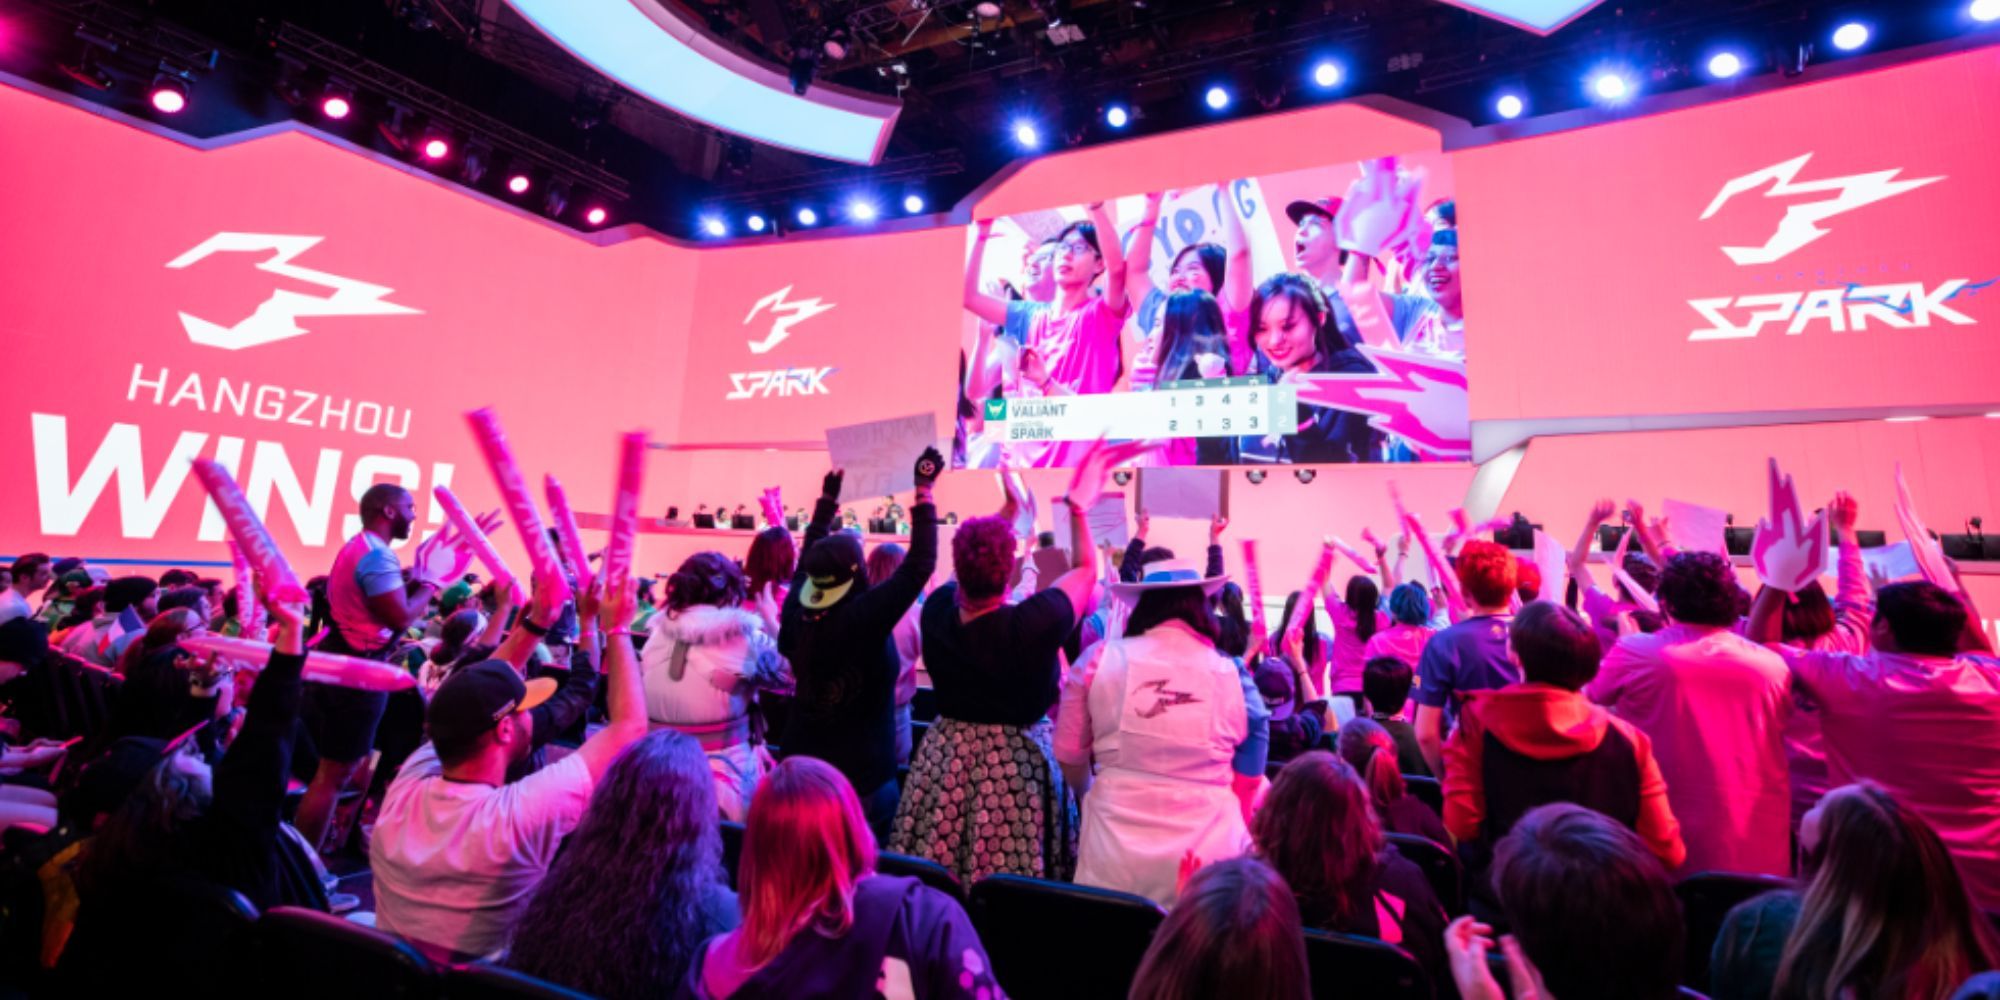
{"x": 249, "y": 532}
{"x": 624, "y": 513}
{"x": 1254, "y": 584}
{"x": 320, "y": 668}
{"x": 249, "y": 611}
{"x": 520, "y": 507}
{"x": 468, "y": 529}
{"x": 565, "y": 519}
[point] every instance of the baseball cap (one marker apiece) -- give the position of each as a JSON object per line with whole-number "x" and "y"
{"x": 1326, "y": 208}
{"x": 475, "y": 698}
{"x": 831, "y": 567}
{"x": 1274, "y": 682}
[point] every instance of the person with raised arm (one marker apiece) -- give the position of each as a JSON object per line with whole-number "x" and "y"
{"x": 1472, "y": 654}
{"x": 1138, "y": 553}
{"x": 985, "y": 793}
{"x": 458, "y": 849}
{"x": 1603, "y": 608}
{"x": 1219, "y": 267}
{"x": 838, "y": 633}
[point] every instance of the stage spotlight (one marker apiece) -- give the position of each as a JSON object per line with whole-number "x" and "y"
{"x": 556, "y": 199}
{"x": 1116, "y": 116}
{"x": 807, "y": 217}
{"x": 1984, "y": 11}
{"x": 87, "y": 71}
{"x": 862, "y": 210}
{"x": 1255, "y": 476}
{"x": 714, "y": 226}
{"x": 595, "y": 216}
{"x": 1327, "y": 74}
{"x": 1027, "y": 136}
{"x": 518, "y": 183}
{"x": 1305, "y": 475}
{"x": 913, "y": 203}
{"x": 1122, "y": 477}
{"x": 1724, "y": 65}
{"x": 169, "y": 95}
{"x": 1610, "y": 87}
{"x": 1850, "y": 36}
{"x": 337, "y": 101}
{"x": 477, "y": 160}
{"x": 755, "y": 223}
{"x": 1509, "y": 106}
{"x": 1217, "y": 98}
{"x": 434, "y": 145}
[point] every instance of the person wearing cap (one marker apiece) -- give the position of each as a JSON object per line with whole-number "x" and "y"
{"x": 1175, "y": 732}
{"x": 1318, "y": 255}
{"x": 129, "y": 603}
{"x": 458, "y": 848}
{"x": 186, "y": 825}
{"x": 30, "y": 573}
{"x": 61, "y": 598}
{"x": 837, "y": 632}
{"x": 1299, "y": 712}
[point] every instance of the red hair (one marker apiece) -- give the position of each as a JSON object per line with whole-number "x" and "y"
{"x": 1486, "y": 571}
{"x": 805, "y": 847}
{"x": 982, "y": 556}
{"x": 1527, "y": 579}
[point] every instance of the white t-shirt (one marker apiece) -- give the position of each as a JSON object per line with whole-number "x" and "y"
{"x": 13, "y": 605}
{"x": 455, "y": 861}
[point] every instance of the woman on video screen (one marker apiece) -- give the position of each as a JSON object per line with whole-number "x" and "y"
{"x": 1296, "y": 333}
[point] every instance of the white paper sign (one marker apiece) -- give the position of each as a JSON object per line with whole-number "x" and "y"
{"x": 1897, "y": 562}
{"x": 878, "y": 456}
{"x": 1106, "y": 518}
{"x": 1694, "y": 527}
{"x": 1196, "y": 494}
{"x": 1553, "y": 560}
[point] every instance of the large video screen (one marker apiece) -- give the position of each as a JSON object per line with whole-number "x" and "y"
{"x": 1307, "y": 317}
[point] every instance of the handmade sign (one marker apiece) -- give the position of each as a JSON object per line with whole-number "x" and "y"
{"x": 624, "y": 515}
{"x": 247, "y": 529}
{"x": 1553, "y": 560}
{"x": 1195, "y": 494}
{"x": 876, "y": 456}
{"x": 1790, "y": 552}
{"x": 520, "y": 506}
{"x": 1891, "y": 562}
{"x": 1106, "y": 518}
{"x": 320, "y": 668}
{"x": 1021, "y": 502}
{"x": 470, "y": 535}
{"x": 566, "y": 532}
{"x": 1696, "y": 528}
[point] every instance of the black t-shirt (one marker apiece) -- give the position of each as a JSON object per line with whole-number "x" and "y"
{"x": 1000, "y": 667}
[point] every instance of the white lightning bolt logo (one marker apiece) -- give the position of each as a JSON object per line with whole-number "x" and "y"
{"x": 276, "y": 318}
{"x": 784, "y": 316}
{"x": 1800, "y": 225}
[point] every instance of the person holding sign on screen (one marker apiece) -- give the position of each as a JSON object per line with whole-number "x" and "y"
{"x": 837, "y": 632}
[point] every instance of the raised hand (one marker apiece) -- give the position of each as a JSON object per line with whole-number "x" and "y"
{"x": 829, "y": 487}
{"x": 1602, "y": 510}
{"x": 588, "y": 602}
{"x": 1844, "y": 512}
{"x": 489, "y": 522}
{"x": 1466, "y": 942}
{"x": 929, "y": 465}
{"x": 1216, "y": 526}
{"x": 1144, "y": 522}
{"x": 615, "y": 611}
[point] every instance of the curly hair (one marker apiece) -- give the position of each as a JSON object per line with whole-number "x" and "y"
{"x": 705, "y": 578}
{"x": 1319, "y": 831}
{"x": 1699, "y": 588}
{"x": 982, "y": 556}
{"x": 1486, "y": 571}
{"x": 623, "y": 909}
{"x": 772, "y": 559}
{"x": 139, "y": 837}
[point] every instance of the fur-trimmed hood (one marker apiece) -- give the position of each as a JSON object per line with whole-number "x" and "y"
{"x": 704, "y": 625}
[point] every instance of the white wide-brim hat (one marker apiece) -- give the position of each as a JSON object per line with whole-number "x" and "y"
{"x": 1167, "y": 574}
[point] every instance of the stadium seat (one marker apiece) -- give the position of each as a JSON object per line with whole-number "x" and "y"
{"x": 307, "y": 954}
{"x": 1706, "y": 898}
{"x": 1427, "y": 791}
{"x": 1440, "y": 865}
{"x": 486, "y": 981}
{"x": 923, "y": 870}
{"x": 1055, "y": 940}
{"x": 732, "y": 848}
{"x": 1348, "y": 965}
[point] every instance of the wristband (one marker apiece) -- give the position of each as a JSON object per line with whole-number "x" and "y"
{"x": 628, "y": 633}
{"x": 532, "y": 628}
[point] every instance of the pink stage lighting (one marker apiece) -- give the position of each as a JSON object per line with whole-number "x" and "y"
{"x": 336, "y": 107}
{"x": 595, "y": 216}
{"x": 169, "y": 98}
{"x": 436, "y": 149}
{"x": 518, "y": 184}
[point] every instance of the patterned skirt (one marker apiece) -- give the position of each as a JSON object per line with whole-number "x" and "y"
{"x": 984, "y": 798}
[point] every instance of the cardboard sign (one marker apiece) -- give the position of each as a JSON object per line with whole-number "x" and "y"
{"x": 1694, "y": 527}
{"x": 1195, "y": 494}
{"x": 1896, "y": 562}
{"x": 877, "y": 456}
{"x": 1106, "y": 518}
{"x": 1553, "y": 560}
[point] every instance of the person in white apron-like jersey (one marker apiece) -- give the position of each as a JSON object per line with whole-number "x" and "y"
{"x": 1175, "y": 732}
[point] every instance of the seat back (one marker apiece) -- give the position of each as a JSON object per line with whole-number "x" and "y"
{"x": 1427, "y": 791}
{"x": 1706, "y": 898}
{"x": 732, "y": 848}
{"x": 485, "y": 981}
{"x": 1348, "y": 965}
{"x": 923, "y": 870}
{"x": 308, "y": 954}
{"x": 1441, "y": 867}
{"x": 1055, "y": 940}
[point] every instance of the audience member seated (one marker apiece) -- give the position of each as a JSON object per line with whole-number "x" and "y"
{"x": 1714, "y": 704}
{"x": 1385, "y": 683}
{"x": 1883, "y": 913}
{"x": 1295, "y": 727}
{"x": 1175, "y": 732}
{"x": 187, "y": 826}
{"x": 1541, "y": 741}
{"x": 1919, "y": 714}
{"x": 639, "y": 886}
{"x": 1592, "y": 913}
{"x": 457, "y": 848}
{"x": 1371, "y": 752}
{"x": 819, "y": 922}
{"x": 167, "y": 690}
{"x": 704, "y": 663}
{"x": 1317, "y": 829}
{"x": 1235, "y": 933}
{"x": 985, "y": 793}
{"x": 1471, "y": 655}
{"x": 29, "y": 575}
{"x": 129, "y": 603}
{"x": 837, "y": 631}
